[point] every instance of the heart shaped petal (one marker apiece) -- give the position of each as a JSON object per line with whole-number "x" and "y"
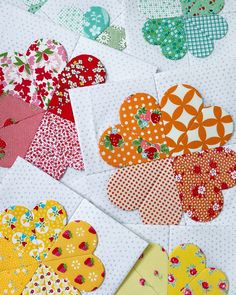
{"x": 32, "y": 77}
{"x": 200, "y": 177}
{"x": 140, "y": 136}
{"x": 45, "y": 282}
{"x": 202, "y": 7}
{"x": 185, "y": 273}
{"x": 202, "y": 32}
{"x": 72, "y": 257}
{"x": 159, "y": 8}
{"x": 55, "y": 131}
{"x": 169, "y": 34}
{"x": 149, "y": 275}
{"x": 17, "y": 128}
{"x": 149, "y": 187}
{"x": 159, "y": 189}
{"x": 114, "y": 37}
{"x": 33, "y": 232}
{"x": 16, "y": 268}
{"x": 188, "y": 273}
{"x": 96, "y": 20}
{"x": 83, "y": 70}
{"x": 179, "y": 125}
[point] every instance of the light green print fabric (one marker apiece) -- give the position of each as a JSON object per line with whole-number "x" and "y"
{"x": 195, "y": 31}
{"x": 113, "y": 36}
{"x": 202, "y": 32}
{"x": 71, "y": 18}
{"x": 169, "y": 34}
{"x": 96, "y": 20}
{"x": 160, "y": 8}
{"x": 34, "y": 5}
{"x": 201, "y": 7}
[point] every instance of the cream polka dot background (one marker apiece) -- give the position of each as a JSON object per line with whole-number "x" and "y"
{"x": 20, "y": 28}
{"x": 26, "y": 185}
{"x": 118, "y": 66}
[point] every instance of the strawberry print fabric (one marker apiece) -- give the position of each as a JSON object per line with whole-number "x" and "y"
{"x": 45, "y": 281}
{"x": 160, "y": 190}
{"x": 56, "y": 254}
{"x": 55, "y": 146}
{"x": 149, "y": 131}
{"x": 84, "y": 70}
{"x": 185, "y": 272}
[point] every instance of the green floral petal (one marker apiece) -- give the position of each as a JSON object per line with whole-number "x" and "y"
{"x": 113, "y": 36}
{"x": 201, "y": 7}
{"x": 202, "y": 31}
{"x": 169, "y": 34}
{"x": 96, "y": 20}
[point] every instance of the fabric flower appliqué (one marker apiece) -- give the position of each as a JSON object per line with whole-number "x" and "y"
{"x": 179, "y": 26}
{"x": 42, "y": 253}
{"x": 184, "y": 272}
{"x": 175, "y": 144}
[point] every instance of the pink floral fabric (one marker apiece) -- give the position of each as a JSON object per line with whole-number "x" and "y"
{"x": 55, "y": 146}
{"x": 33, "y": 76}
{"x": 32, "y": 79}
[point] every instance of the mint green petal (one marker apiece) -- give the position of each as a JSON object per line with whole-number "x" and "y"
{"x": 34, "y": 5}
{"x": 202, "y": 32}
{"x": 169, "y": 34}
{"x": 71, "y": 18}
{"x": 96, "y": 20}
{"x": 114, "y": 37}
{"x": 201, "y": 7}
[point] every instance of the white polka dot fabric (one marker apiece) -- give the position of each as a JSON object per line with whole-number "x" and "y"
{"x": 17, "y": 3}
{"x": 118, "y": 248}
{"x": 20, "y": 28}
{"x": 26, "y": 185}
{"x": 119, "y": 66}
{"x": 139, "y": 47}
{"x": 113, "y": 7}
{"x": 158, "y": 234}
